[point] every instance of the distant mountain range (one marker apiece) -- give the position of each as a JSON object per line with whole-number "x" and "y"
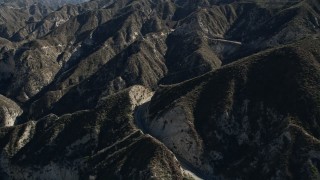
{"x": 159, "y": 89}
{"x": 50, "y": 3}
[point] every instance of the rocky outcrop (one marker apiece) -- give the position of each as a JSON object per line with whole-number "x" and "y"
{"x": 9, "y": 111}
{"x": 139, "y": 95}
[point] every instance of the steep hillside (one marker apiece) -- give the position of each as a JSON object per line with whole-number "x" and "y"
{"x": 101, "y": 142}
{"x": 257, "y": 117}
{"x": 236, "y": 87}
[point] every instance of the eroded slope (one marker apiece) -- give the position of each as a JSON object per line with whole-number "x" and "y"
{"x": 256, "y": 117}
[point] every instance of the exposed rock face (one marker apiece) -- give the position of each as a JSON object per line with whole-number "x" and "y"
{"x": 9, "y": 111}
{"x": 84, "y": 73}
{"x": 178, "y": 133}
{"x": 139, "y": 95}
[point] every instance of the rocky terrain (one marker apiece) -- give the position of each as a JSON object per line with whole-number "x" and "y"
{"x": 255, "y": 117}
{"x": 159, "y": 89}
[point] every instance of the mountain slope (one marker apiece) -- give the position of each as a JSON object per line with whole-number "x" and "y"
{"x": 236, "y": 89}
{"x": 89, "y": 143}
{"x": 254, "y": 118}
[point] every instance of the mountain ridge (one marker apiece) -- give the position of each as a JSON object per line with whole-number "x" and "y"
{"x": 226, "y": 78}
